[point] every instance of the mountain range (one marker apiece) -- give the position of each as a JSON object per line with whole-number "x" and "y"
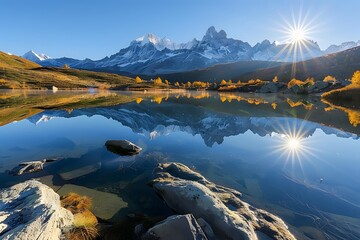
{"x": 150, "y": 55}
{"x": 152, "y": 120}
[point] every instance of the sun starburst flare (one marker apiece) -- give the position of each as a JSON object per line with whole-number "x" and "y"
{"x": 292, "y": 148}
{"x": 298, "y": 35}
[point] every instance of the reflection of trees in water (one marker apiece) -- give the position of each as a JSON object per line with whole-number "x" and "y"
{"x": 353, "y": 115}
{"x": 235, "y": 97}
{"x": 305, "y": 104}
{"x": 354, "y": 118}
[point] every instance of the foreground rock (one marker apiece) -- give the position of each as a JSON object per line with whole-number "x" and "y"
{"x": 186, "y": 191}
{"x": 31, "y": 210}
{"x": 122, "y": 147}
{"x": 177, "y": 227}
{"x": 30, "y": 167}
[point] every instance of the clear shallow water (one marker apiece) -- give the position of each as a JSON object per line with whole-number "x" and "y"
{"x": 305, "y": 171}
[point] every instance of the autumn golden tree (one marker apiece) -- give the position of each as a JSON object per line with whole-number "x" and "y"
{"x": 177, "y": 84}
{"x": 275, "y": 79}
{"x": 138, "y": 80}
{"x": 294, "y": 82}
{"x": 167, "y": 82}
{"x": 223, "y": 82}
{"x": 66, "y": 66}
{"x": 310, "y": 81}
{"x": 356, "y": 78}
{"x": 158, "y": 81}
{"x": 329, "y": 78}
{"x": 251, "y": 81}
{"x": 198, "y": 84}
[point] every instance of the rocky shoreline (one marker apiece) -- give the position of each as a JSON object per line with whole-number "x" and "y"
{"x": 204, "y": 210}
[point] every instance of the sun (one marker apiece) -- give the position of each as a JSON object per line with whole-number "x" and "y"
{"x": 298, "y": 40}
{"x": 297, "y": 35}
{"x": 293, "y": 144}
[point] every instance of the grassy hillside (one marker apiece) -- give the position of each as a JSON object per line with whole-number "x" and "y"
{"x": 340, "y": 65}
{"x": 11, "y": 61}
{"x": 16, "y": 72}
{"x": 218, "y": 72}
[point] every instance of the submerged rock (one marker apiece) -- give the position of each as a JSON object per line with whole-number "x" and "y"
{"x": 186, "y": 191}
{"x": 122, "y": 147}
{"x": 32, "y": 210}
{"x": 29, "y": 167}
{"x": 177, "y": 227}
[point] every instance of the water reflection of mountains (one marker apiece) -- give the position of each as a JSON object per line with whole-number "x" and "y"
{"x": 213, "y": 126}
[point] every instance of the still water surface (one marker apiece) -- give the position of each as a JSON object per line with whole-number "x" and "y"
{"x": 296, "y": 158}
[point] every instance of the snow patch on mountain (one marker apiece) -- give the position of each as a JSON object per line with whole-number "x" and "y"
{"x": 34, "y": 57}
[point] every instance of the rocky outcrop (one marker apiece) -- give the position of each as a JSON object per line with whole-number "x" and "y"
{"x": 177, "y": 227}
{"x": 298, "y": 89}
{"x": 319, "y": 86}
{"x": 32, "y": 210}
{"x": 272, "y": 87}
{"x": 122, "y": 147}
{"x": 186, "y": 191}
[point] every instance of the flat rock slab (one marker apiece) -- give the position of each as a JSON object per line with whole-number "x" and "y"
{"x": 177, "y": 227}
{"x": 122, "y": 147}
{"x": 105, "y": 205}
{"x": 32, "y": 210}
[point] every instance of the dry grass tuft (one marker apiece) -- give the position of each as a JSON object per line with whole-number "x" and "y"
{"x": 82, "y": 233}
{"x": 76, "y": 203}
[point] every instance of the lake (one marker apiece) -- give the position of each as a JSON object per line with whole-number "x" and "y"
{"x": 296, "y": 157}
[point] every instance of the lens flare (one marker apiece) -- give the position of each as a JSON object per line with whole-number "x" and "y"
{"x": 298, "y": 35}
{"x": 292, "y": 148}
{"x": 298, "y": 39}
{"x": 293, "y": 144}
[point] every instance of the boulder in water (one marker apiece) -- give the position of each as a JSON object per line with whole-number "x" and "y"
{"x": 122, "y": 147}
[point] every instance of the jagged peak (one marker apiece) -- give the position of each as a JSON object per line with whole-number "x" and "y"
{"x": 211, "y": 33}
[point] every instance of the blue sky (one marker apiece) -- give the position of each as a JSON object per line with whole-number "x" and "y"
{"x": 95, "y": 29}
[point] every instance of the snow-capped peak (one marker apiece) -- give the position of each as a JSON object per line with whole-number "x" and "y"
{"x": 160, "y": 44}
{"x": 344, "y": 46}
{"x": 148, "y": 38}
{"x": 33, "y": 56}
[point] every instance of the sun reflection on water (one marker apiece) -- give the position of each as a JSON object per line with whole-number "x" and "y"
{"x": 293, "y": 149}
